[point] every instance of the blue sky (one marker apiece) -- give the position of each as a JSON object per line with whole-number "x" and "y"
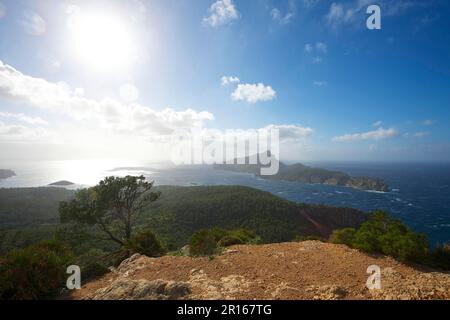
{"x": 337, "y": 90}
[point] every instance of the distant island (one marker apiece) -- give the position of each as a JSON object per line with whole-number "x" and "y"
{"x": 62, "y": 183}
{"x": 6, "y": 173}
{"x": 301, "y": 173}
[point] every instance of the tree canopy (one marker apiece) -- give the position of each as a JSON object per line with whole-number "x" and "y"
{"x": 113, "y": 206}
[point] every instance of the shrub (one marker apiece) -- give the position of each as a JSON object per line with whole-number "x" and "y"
{"x": 146, "y": 243}
{"x": 217, "y": 233}
{"x": 440, "y": 257}
{"x": 93, "y": 263}
{"x": 203, "y": 243}
{"x": 36, "y": 272}
{"x": 385, "y": 235}
{"x": 230, "y": 240}
{"x": 344, "y": 236}
{"x": 207, "y": 242}
{"x": 245, "y": 236}
{"x": 93, "y": 270}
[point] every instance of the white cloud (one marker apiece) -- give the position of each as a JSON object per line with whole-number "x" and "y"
{"x": 378, "y": 134}
{"x": 33, "y": 23}
{"x": 340, "y": 13}
{"x": 286, "y": 18}
{"x": 377, "y": 124}
{"x": 221, "y": 12}
{"x": 23, "y": 118}
{"x": 320, "y": 83}
{"x": 79, "y": 92}
{"x": 229, "y": 80}
{"x": 106, "y": 113}
{"x": 275, "y": 14}
{"x": 336, "y": 14}
{"x": 19, "y": 133}
{"x": 253, "y": 93}
{"x": 291, "y": 133}
{"x": 354, "y": 11}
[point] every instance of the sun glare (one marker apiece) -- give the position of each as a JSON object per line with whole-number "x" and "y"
{"x": 103, "y": 41}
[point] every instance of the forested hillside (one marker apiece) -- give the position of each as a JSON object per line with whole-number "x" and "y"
{"x": 183, "y": 210}
{"x": 32, "y": 214}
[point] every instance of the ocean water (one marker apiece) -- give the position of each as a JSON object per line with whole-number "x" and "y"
{"x": 420, "y": 194}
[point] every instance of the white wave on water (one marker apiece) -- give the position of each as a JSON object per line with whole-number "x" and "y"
{"x": 374, "y": 191}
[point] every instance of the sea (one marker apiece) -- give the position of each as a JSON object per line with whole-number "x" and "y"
{"x": 419, "y": 196}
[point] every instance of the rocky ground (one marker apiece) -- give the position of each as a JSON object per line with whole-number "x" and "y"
{"x": 305, "y": 270}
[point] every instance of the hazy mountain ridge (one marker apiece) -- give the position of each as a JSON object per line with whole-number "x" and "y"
{"x": 6, "y": 173}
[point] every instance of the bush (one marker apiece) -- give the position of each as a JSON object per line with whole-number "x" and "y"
{"x": 217, "y": 233}
{"x": 203, "y": 243}
{"x": 146, "y": 243}
{"x": 245, "y": 236}
{"x": 207, "y": 242}
{"x": 385, "y": 235}
{"x": 93, "y": 270}
{"x": 93, "y": 263}
{"x": 230, "y": 240}
{"x": 440, "y": 257}
{"x": 344, "y": 236}
{"x": 36, "y": 272}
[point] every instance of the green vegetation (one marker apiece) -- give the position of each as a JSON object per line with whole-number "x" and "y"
{"x": 203, "y": 243}
{"x": 21, "y": 208}
{"x": 113, "y": 206}
{"x": 181, "y": 211}
{"x": 344, "y": 236}
{"x": 103, "y": 225}
{"x": 386, "y": 235}
{"x": 174, "y": 217}
{"x": 36, "y": 272}
{"x": 208, "y": 242}
{"x": 147, "y": 243}
{"x": 440, "y": 257}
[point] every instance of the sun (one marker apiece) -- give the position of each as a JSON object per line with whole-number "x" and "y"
{"x": 101, "y": 40}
